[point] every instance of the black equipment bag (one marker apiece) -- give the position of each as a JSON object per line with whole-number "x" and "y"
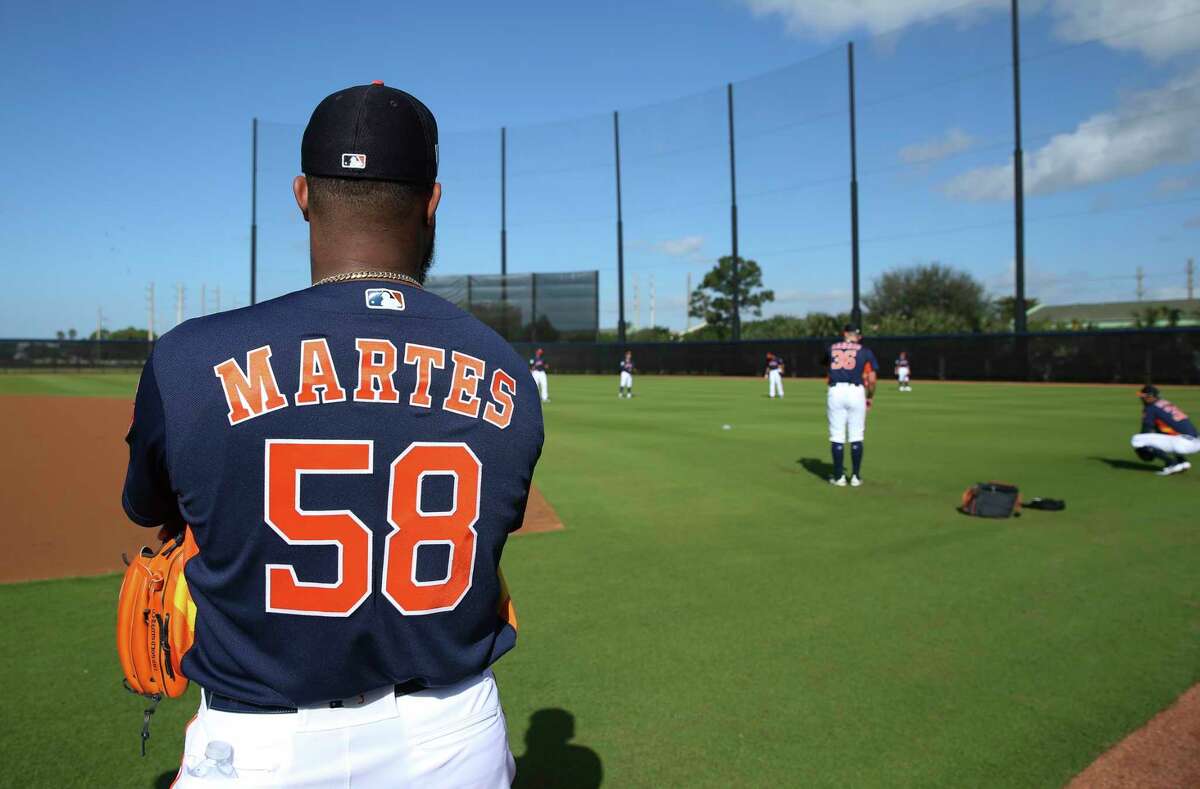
{"x": 992, "y": 500}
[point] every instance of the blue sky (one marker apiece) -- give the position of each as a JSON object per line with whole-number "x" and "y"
{"x": 125, "y": 139}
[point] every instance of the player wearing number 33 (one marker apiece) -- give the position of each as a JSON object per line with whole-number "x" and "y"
{"x": 852, "y": 376}
{"x": 350, "y": 459}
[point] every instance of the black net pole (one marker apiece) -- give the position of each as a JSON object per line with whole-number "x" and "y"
{"x": 1018, "y": 177}
{"x": 254, "y": 211}
{"x": 620, "y": 234}
{"x": 503, "y": 202}
{"x": 504, "y": 232}
{"x": 533, "y": 306}
{"x": 855, "y": 305}
{"x": 733, "y": 219}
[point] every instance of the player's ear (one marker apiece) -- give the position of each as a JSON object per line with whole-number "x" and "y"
{"x": 435, "y": 197}
{"x": 300, "y": 190}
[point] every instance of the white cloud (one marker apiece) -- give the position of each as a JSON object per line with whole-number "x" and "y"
{"x": 1158, "y": 29}
{"x": 687, "y": 246}
{"x": 953, "y": 141}
{"x": 1149, "y": 129}
{"x": 1131, "y": 26}
{"x": 834, "y": 17}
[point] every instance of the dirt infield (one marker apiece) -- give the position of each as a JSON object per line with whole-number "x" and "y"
{"x": 63, "y": 465}
{"x": 1163, "y": 753}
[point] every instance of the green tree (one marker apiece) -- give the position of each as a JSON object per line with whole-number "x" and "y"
{"x": 712, "y": 302}
{"x": 1005, "y": 310}
{"x": 72, "y": 334}
{"x": 128, "y": 333}
{"x": 926, "y": 298}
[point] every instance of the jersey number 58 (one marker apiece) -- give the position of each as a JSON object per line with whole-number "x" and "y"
{"x": 287, "y": 461}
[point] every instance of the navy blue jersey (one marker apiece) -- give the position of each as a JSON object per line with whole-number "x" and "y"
{"x": 1163, "y": 416}
{"x": 627, "y": 366}
{"x": 537, "y": 364}
{"x": 351, "y": 465}
{"x": 773, "y": 363}
{"x": 849, "y": 363}
{"x": 902, "y": 363}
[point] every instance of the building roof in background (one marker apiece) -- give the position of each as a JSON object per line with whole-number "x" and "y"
{"x": 1115, "y": 313}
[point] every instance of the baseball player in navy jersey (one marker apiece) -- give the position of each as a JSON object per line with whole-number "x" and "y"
{"x": 538, "y": 367}
{"x": 350, "y": 458}
{"x": 625, "y": 387}
{"x": 1167, "y": 433}
{"x": 853, "y": 373}
{"x": 904, "y": 372}
{"x": 774, "y": 375}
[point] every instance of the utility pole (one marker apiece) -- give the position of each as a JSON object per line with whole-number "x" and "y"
{"x": 1141, "y": 289}
{"x": 733, "y": 218}
{"x": 150, "y": 313}
{"x": 855, "y": 306}
{"x": 620, "y": 233}
{"x": 217, "y": 299}
{"x": 652, "y": 323}
{"x": 99, "y": 323}
{"x": 178, "y": 304}
{"x": 203, "y": 299}
{"x": 637, "y": 307}
{"x": 1191, "y": 269}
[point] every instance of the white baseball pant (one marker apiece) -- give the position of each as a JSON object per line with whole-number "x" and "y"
{"x": 543, "y": 384}
{"x": 775, "y": 382}
{"x": 452, "y": 736}
{"x": 1177, "y": 445}
{"x": 846, "y": 406}
{"x": 903, "y": 375}
{"x": 626, "y": 380}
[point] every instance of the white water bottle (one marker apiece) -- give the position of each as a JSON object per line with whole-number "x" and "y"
{"x": 217, "y": 764}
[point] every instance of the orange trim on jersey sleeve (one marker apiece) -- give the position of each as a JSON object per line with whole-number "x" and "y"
{"x": 1164, "y": 428}
{"x": 505, "y": 608}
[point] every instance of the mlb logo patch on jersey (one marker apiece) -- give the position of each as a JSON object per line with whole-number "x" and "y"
{"x": 384, "y": 299}
{"x": 354, "y": 161}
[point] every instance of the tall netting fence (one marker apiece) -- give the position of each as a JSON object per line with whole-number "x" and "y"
{"x": 654, "y": 198}
{"x": 547, "y": 307}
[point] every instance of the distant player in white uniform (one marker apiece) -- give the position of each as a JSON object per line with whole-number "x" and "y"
{"x": 774, "y": 375}
{"x": 852, "y": 377}
{"x": 625, "y": 389}
{"x": 538, "y": 367}
{"x": 904, "y": 372}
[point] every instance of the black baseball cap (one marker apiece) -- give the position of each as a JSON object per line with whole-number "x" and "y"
{"x": 1149, "y": 389}
{"x": 850, "y": 327}
{"x": 372, "y": 132}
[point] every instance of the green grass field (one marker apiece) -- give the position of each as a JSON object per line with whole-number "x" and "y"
{"x": 715, "y": 614}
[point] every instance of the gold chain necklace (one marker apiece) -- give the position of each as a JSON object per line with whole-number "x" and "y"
{"x": 347, "y": 276}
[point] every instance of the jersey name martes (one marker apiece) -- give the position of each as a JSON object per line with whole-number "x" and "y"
{"x": 382, "y": 373}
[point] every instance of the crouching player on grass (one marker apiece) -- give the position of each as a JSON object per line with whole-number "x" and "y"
{"x": 1167, "y": 433}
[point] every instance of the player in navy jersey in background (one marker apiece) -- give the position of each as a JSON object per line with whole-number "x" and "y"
{"x": 774, "y": 375}
{"x": 538, "y": 367}
{"x": 625, "y": 386}
{"x": 853, "y": 372}
{"x": 1167, "y": 434}
{"x": 350, "y": 459}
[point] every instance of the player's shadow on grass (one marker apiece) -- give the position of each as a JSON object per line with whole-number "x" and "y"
{"x": 550, "y": 760}
{"x": 818, "y": 468}
{"x": 165, "y": 780}
{"x": 1127, "y": 465}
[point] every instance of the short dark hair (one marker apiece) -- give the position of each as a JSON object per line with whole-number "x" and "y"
{"x": 378, "y": 199}
{"x": 1149, "y": 389}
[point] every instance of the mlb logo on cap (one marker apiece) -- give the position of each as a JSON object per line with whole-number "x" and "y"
{"x": 384, "y": 299}
{"x": 354, "y": 161}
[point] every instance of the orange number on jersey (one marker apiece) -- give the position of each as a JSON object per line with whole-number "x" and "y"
{"x": 413, "y": 527}
{"x": 287, "y": 461}
{"x": 845, "y": 359}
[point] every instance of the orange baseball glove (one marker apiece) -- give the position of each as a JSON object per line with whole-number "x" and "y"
{"x": 156, "y": 621}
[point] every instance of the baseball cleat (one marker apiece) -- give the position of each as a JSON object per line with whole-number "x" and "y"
{"x": 840, "y": 481}
{"x": 1167, "y": 471}
{"x": 855, "y": 482}
{"x": 1184, "y": 466}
